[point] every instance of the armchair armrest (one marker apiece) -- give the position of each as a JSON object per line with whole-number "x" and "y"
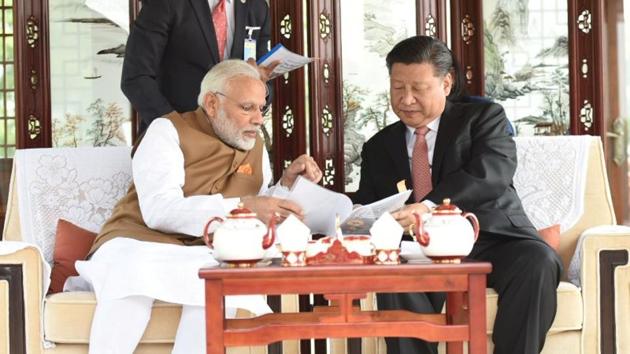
{"x": 605, "y": 280}
{"x": 21, "y": 275}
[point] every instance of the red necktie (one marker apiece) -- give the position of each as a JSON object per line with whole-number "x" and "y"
{"x": 420, "y": 170}
{"x": 219, "y": 18}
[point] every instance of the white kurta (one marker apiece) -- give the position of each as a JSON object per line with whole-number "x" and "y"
{"x": 126, "y": 268}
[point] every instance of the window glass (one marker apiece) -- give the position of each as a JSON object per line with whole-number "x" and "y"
{"x": 87, "y": 44}
{"x": 527, "y": 63}
{"x": 370, "y": 30}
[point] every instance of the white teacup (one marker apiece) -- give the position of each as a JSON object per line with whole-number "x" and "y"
{"x": 386, "y": 233}
{"x": 293, "y": 235}
{"x": 293, "y": 238}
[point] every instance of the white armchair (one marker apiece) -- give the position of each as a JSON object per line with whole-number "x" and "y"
{"x": 80, "y": 185}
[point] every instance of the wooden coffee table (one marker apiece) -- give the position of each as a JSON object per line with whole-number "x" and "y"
{"x": 465, "y": 318}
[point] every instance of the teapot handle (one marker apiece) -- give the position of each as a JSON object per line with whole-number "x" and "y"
{"x": 207, "y": 238}
{"x": 474, "y": 222}
{"x": 421, "y": 236}
{"x": 270, "y": 237}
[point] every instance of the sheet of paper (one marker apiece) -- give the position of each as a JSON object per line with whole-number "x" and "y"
{"x": 320, "y": 205}
{"x": 288, "y": 60}
{"x": 362, "y": 218}
{"x": 376, "y": 209}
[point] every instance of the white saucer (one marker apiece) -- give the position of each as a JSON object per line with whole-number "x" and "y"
{"x": 411, "y": 251}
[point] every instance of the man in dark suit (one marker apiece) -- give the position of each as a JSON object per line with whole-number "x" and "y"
{"x": 173, "y": 44}
{"x": 470, "y": 158}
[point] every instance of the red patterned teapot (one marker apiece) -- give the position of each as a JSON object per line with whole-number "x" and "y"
{"x": 447, "y": 235}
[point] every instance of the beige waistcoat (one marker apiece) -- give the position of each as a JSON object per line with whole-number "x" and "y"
{"x": 210, "y": 167}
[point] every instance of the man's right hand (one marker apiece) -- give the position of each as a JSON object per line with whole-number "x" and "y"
{"x": 265, "y": 207}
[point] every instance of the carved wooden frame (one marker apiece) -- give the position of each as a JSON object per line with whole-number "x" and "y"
{"x": 288, "y": 96}
{"x": 325, "y": 82}
{"x": 32, "y": 74}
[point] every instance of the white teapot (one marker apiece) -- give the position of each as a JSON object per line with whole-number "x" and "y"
{"x": 446, "y": 236}
{"x": 241, "y": 239}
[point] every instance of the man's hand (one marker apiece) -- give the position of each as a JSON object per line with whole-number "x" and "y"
{"x": 265, "y": 207}
{"x": 405, "y": 217}
{"x": 265, "y": 71}
{"x": 304, "y": 166}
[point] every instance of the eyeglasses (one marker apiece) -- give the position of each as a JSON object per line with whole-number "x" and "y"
{"x": 247, "y": 108}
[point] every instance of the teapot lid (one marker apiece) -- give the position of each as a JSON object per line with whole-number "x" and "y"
{"x": 241, "y": 213}
{"x": 446, "y": 208}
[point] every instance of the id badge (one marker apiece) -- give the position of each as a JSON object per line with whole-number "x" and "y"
{"x": 249, "y": 49}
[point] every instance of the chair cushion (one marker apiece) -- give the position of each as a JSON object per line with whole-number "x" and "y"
{"x": 551, "y": 235}
{"x": 68, "y": 319}
{"x": 72, "y": 243}
{"x": 569, "y": 314}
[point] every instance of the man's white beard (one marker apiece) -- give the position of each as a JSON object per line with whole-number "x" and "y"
{"x": 230, "y": 134}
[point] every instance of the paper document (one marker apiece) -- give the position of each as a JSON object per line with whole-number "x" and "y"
{"x": 321, "y": 207}
{"x": 362, "y": 218}
{"x": 288, "y": 60}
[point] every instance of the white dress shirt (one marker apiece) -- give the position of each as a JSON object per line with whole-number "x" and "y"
{"x": 158, "y": 175}
{"x": 229, "y": 11}
{"x": 410, "y": 136}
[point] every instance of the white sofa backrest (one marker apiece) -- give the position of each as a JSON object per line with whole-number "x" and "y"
{"x": 81, "y": 185}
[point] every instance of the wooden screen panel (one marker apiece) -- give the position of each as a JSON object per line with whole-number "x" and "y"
{"x": 289, "y": 111}
{"x": 7, "y": 82}
{"x": 585, "y": 66}
{"x": 8, "y": 123}
{"x": 431, "y": 18}
{"x": 32, "y": 74}
{"x": 467, "y": 42}
{"x": 326, "y": 124}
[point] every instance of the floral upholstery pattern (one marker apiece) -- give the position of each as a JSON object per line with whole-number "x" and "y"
{"x": 81, "y": 185}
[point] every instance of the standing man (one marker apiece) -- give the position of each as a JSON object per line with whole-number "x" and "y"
{"x": 461, "y": 151}
{"x": 173, "y": 44}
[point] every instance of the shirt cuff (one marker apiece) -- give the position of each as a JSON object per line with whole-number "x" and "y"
{"x": 279, "y": 191}
{"x": 429, "y": 204}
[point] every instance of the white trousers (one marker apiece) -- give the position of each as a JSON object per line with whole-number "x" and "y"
{"x": 119, "y": 324}
{"x": 128, "y": 275}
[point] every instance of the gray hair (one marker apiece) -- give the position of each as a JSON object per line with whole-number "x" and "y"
{"x": 220, "y": 75}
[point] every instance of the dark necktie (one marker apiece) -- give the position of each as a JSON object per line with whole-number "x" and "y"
{"x": 420, "y": 169}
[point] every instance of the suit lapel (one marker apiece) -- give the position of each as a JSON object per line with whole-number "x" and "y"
{"x": 204, "y": 17}
{"x": 446, "y": 131}
{"x": 241, "y": 9}
{"x": 396, "y": 146}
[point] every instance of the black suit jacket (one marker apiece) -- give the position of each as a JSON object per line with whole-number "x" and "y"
{"x": 171, "y": 47}
{"x": 474, "y": 161}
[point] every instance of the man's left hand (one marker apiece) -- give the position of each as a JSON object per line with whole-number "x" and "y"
{"x": 265, "y": 71}
{"x": 304, "y": 166}
{"x": 405, "y": 216}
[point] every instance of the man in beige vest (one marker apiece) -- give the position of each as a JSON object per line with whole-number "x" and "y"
{"x": 187, "y": 168}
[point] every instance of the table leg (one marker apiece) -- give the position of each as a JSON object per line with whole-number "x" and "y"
{"x": 215, "y": 317}
{"x": 454, "y": 307}
{"x": 477, "y": 313}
